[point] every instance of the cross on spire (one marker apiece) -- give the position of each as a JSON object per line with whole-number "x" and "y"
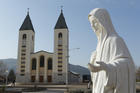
{"x": 28, "y": 10}
{"x": 61, "y": 23}
{"x": 27, "y": 24}
{"x": 61, "y": 8}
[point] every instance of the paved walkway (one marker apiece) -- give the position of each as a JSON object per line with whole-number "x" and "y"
{"x": 47, "y": 91}
{"x": 54, "y": 91}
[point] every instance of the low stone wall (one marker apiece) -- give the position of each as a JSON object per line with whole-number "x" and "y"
{"x": 67, "y": 88}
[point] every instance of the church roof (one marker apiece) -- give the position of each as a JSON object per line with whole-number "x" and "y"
{"x": 61, "y": 23}
{"x": 27, "y": 24}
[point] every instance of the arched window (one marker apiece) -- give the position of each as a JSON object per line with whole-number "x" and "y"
{"x": 50, "y": 64}
{"x": 24, "y": 37}
{"x": 60, "y": 38}
{"x": 60, "y": 35}
{"x": 41, "y": 61}
{"x": 33, "y": 38}
{"x": 33, "y": 64}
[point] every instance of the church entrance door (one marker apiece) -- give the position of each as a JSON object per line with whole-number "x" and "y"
{"x": 41, "y": 78}
{"x": 49, "y": 78}
{"x": 33, "y": 78}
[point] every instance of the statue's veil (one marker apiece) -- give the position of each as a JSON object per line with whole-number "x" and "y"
{"x": 103, "y": 17}
{"x": 112, "y": 50}
{"x": 108, "y": 30}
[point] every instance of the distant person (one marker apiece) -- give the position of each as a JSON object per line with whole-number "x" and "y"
{"x": 13, "y": 83}
{"x": 89, "y": 84}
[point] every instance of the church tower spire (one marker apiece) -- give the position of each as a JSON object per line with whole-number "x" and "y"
{"x": 25, "y": 48}
{"x": 61, "y": 23}
{"x": 27, "y": 24}
{"x": 61, "y": 53}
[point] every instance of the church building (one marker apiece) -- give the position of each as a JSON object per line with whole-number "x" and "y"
{"x": 43, "y": 66}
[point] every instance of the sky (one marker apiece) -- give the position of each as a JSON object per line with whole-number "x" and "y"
{"x": 125, "y": 15}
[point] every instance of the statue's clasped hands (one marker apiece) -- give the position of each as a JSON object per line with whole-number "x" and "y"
{"x": 96, "y": 68}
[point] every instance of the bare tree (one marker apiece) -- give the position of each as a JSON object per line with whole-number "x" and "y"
{"x": 3, "y": 68}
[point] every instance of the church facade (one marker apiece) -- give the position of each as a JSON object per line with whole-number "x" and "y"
{"x": 43, "y": 66}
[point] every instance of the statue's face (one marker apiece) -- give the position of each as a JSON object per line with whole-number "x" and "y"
{"x": 94, "y": 23}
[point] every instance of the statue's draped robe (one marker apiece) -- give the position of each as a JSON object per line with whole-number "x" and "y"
{"x": 119, "y": 75}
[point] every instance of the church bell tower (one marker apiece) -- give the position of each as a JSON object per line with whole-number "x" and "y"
{"x": 61, "y": 47}
{"x": 25, "y": 48}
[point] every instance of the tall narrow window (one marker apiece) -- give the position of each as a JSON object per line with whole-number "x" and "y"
{"x": 33, "y": 64}
{"x": 50, "y": 64}
{"x": 60, "y": 39}
{"x": 41, "y": 61}
{"x": 60, "y": 35}
{"x": 33, "y": 38}
{"x": 24, "y": 40}
{"x": 24, "y": 37}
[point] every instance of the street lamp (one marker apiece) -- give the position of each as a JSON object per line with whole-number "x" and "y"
{"x": 68, "y": 50}
{"x": 6, "y": 76}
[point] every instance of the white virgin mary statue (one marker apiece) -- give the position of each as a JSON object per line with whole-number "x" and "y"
{"x": 111, "y": 65}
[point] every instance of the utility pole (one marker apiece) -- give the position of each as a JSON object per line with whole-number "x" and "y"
{"x": 68, "y": 62}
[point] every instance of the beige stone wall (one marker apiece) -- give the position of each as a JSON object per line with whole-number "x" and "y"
{"x": 65, "y": 46}
{"x": 43, "y": 71}
{"x": 24, "y": 60}
{"x": 59, "y": 70}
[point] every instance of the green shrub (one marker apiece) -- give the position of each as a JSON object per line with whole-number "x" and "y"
{"x": 88, "y": 91}
{"x": 2, "y": 89}
{"x": 80, "y": 91}
{"x": 76, "y": 91}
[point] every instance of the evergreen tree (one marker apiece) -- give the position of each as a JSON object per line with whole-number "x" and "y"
{"x": 11, "y": 76}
